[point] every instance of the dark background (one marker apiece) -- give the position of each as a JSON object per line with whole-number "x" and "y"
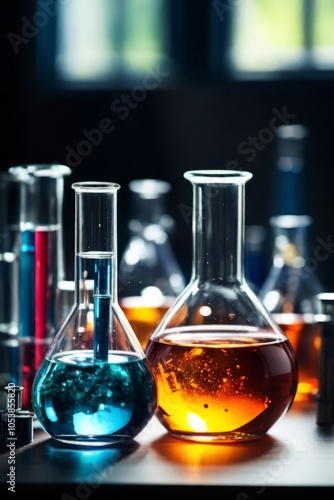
{"x": 197, "y": 122}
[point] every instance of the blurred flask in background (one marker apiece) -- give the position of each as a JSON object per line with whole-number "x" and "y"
{"x": 65, "y": 296}
{"x": 290, "y": 288}
{"x": 150, "y": 277}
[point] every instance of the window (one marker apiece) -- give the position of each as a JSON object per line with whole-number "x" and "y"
{"x": 112, "y": 43}
{"x": 288, "y": 36}
{"x": 109, "y": 41}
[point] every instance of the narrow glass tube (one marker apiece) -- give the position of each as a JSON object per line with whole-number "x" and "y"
{"x": 10, "y": 368}
{"x": 96, "y": 257}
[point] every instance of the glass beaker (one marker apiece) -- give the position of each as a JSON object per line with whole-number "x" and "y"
{"x": 150, "y": 276}
{"x": 41, "y": 262}
{"x": 224, "y": 371}
{"x": 289, "y": 293}
{"x": 95, "y": 386}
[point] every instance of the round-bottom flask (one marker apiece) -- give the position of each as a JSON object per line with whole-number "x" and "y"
{"x": 95, "y": 386}
{"x": 224, "y": 370}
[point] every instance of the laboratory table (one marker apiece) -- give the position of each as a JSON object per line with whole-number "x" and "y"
{"x": 295, "y": 457}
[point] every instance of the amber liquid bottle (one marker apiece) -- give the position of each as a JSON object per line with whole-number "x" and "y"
{"x": 224, "y": 370}
{"x": 150, "y": 276}
{"x": 291, "y": 285}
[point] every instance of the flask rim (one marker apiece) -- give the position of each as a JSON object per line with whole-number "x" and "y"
{"x": 291, "y": 221}
{"x": 95, "y": 186}
{"x": 52, "y": 170}
{"x": 149, "y": 188}
{"x": 218, "y": 176}
{"x": 293, "y": 132}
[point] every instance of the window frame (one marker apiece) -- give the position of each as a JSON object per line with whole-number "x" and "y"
{"x": 200, "y": 43}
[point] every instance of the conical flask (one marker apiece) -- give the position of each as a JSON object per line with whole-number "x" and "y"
{"x": 95, "y": 386}
{"x": 150, "y": 276}
{"x": 224, "y": 371}
{"x": 41, "y": 262}
{"x": 290, "y": 295}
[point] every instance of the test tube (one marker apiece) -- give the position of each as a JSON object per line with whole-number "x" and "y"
{"x": 10, "y": 370}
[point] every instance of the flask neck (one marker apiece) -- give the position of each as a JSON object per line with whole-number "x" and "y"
{"x": 218, "y": 229}
{"x": 289, "y": 194}
{"x": 95, "y": 240}
{"x": 147, "y": 210}
{"x": 148, "y": 200}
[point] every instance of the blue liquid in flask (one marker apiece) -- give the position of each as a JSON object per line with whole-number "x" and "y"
{"x": 96, "y": 393}
{"x": 84, "y": 401}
